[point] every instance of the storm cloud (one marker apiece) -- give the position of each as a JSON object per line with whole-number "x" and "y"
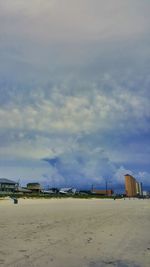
{"x": 74, "y": 90}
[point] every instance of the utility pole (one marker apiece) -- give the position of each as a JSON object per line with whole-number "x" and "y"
{"x": 106, "y": 188}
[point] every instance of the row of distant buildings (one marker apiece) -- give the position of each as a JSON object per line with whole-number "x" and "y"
{"x": 9, "y": 186}
{"x": 133, "y": 188}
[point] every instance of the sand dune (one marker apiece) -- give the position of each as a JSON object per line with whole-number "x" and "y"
{"x": 74, "y": 232}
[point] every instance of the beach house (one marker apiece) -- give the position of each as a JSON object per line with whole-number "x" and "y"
{"x": 34, "y": 187}
{"x": 7, "y": 185}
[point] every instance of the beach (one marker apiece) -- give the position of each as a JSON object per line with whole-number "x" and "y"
{"x": 75, "y": 233}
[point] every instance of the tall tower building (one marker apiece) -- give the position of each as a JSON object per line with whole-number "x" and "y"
{"x": 130, "y": 185}
{"x": 140, "y": 189}
{"x": 137, "y": 188}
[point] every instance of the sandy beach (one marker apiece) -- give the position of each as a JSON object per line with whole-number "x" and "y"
{"x": 75, "y": 233}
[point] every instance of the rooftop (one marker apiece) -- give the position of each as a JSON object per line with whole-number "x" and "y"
{"x": 6, "y": 181}
{"x": 33, "y": 184}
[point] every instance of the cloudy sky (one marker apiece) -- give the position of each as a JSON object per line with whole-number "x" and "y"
{"x": 74, "y": 91}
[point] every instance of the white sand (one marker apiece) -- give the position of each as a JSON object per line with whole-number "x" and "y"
{"x": 75, "y": 233}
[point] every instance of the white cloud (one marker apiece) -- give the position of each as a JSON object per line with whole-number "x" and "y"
{"x": 79, "y": 113}
{"x": 119, "y": 175}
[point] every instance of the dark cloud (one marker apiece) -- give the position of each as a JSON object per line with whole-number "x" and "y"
{"x": 74, "y": 88}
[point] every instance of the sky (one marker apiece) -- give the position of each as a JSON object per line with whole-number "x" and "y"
{"x": 74, "y": 91}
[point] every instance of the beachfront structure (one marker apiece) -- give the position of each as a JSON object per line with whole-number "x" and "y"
{"x": 146, "y": 194}
{"x": 130, "y": 186}
{"x": 67, "y": 190}
{"x": 133, "y": 188}
{"x": 137, "y": 188}
{"x": 140, "y": 189}
{"x": 22, "y": 190}
{"x": 34, "y": 187}
{"x": 7, "y": 185}
{"x": 107, "y": 192}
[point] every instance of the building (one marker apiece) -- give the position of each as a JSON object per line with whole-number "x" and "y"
{"x": 34, "y": 187}
{"x": 130, "y": 186}
{"x": 22, "y": 190}
{"x": 133, "y": 188}
{"x": 140, "y": 189}
{"x": 108, "y": 192}
{"x": 67, "y": 190}
{"x": 137, "y": 188}
{"x": 146, "y": 194}
{"x": 7, "y": 185}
